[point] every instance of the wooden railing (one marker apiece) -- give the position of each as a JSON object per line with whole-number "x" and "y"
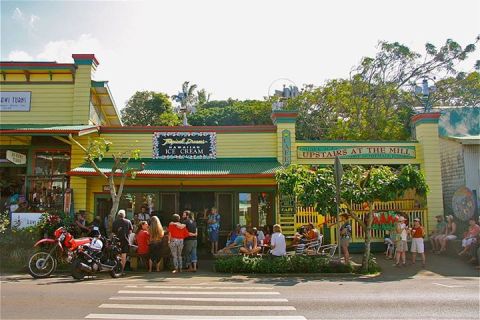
{"x": 377, "y": 235}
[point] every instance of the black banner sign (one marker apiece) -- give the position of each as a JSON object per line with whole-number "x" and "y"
{"x": 184, "y": 145}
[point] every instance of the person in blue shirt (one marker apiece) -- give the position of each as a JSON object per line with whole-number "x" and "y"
{"x": 213, "y": 229}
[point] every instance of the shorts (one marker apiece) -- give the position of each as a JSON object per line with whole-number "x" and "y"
{"x": 417, "y": 245}
{"x": 213, "y": 235}
{"x": 469, "y": 241}
{"x": 451, "y": 237}
{"x": 125, "y": 246}
{"x": 401, "y": 246}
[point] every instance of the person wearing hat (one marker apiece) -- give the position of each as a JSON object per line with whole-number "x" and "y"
{"x": 417, "y": 233}
{"x": 401, "y": 245}
{"x": 438, "y": 233}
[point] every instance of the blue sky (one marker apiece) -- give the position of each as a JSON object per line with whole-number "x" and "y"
{"x": 231, "y": 48}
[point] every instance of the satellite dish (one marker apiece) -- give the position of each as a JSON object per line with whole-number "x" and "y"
{"x": 463, "y": 203}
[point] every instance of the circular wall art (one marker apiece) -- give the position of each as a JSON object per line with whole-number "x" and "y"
{"x": 463, "y": 203}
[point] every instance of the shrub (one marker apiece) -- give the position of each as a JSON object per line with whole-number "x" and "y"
{"x": 288, "y": 264}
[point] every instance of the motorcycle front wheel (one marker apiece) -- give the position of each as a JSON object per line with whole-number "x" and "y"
{"x": 41, "y": 265}
{"x": 77, "y": 273}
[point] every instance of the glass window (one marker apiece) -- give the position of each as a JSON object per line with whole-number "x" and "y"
{"x": 51, "y": 163}
{"x": 245, "y": 209}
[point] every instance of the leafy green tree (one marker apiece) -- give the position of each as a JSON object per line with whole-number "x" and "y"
{"x": 359, "y": 185}
{"x": 145, "y": 107}
{"x": 95, "y": 152}
{"x": 232, "y": 112}
{"x": 169, "y": 119}
{"x": 376, "y": 101}
{"x": 461, "y": 90}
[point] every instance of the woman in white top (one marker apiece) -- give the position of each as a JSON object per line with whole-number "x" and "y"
{"x": 278, "y": 246}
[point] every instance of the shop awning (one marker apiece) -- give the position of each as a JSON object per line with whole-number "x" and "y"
{"x": 46, "y": 130}
{"x": 225, "y": 167}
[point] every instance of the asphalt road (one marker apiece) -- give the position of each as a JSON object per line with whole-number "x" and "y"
{"x": 450, "y": 290}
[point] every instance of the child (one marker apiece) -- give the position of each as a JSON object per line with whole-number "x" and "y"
{"x": 390, "y": 246}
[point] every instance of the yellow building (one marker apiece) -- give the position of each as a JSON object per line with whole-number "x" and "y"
{"x": 196, "y": 168}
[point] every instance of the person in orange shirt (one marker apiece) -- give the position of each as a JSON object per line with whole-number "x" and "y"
{"x": 312, "y": 233}
{"x": 417, "y": 233}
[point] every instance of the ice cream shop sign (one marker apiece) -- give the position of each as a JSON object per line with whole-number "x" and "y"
{"x": 356, "y": 152}
{"x": 184, "y": 145}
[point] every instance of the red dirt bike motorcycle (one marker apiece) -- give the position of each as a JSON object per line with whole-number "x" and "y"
{"x": 43, "y": 263}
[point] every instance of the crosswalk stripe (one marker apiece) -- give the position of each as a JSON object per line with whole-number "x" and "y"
{"x": 195, "y": 307}
{"x": 185, "y": 317}
{"x": 200, "y": 299}
{"x": 199, "y": 287}
{"x": 196, "y": 292}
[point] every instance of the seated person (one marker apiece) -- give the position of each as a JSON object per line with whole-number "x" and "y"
{"x": 250, "y": 245}
{"x": 470, "y": 238}
{"x": 233, "y": 235}
{"x": 300, "y": 236}
{"x": 234, "y": 247}
{"x": 312, "y": 233}
{"x": 278, "y": 246}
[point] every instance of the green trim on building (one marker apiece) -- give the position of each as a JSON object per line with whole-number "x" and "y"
{"x": 222, "y": 166}
{"x": 285, "y": 120}
{"x": 84, "y": 62}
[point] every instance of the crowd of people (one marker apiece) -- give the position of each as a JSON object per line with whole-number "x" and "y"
{"x": 443, "y": 233}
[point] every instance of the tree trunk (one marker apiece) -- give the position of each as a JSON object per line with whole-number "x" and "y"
{"x": 368, "y": 239}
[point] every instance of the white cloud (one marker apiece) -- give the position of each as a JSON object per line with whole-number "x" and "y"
{"x": 28, "y": 22}
{"x": 62, "y": 50}
{"x": 19, "y": 55}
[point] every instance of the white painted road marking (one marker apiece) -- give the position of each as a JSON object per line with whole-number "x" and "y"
{"x": 201, "y": 299}
{"x": 196, "y": 307}
{"x": 447, "y": 286}
{"x": 199, "y": 287}
{"x": 195, "y": 292}
{"x": 186, "y": 317}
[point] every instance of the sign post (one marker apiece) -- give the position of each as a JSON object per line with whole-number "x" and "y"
{"x": 338, "y": 170}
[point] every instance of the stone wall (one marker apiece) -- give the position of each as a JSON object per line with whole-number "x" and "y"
{"x": 453, "y": 171}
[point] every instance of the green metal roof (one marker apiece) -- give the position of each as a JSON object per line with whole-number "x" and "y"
{"x": 220, "y": 167}
{"x": 46, "y": 129}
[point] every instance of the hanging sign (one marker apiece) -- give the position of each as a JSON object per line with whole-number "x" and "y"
{"x": 15, "y": 101}
{"x": 184, "y": 145}
{"x": 21, "y": 220}
{"x": 356, "y": 152}
{"x": 16, "y": 157}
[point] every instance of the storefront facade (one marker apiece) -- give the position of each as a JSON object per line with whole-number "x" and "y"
{"x": 195, "y": 168}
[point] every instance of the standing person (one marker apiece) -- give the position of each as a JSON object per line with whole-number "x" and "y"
{"x": 437, "y": 233}
{"x": 345, "y": 236}
{"x": 176, "y": 233}
{"x": 417, "y": 241}
{"x": 401, "y": 241}
{"x": 213, "y": 229}
{"x": 190, "y": 242}
{"x": 450, "y": 234}
{"x": 278, "y": 246}
{"x": 143, "y": 239}
{"x": 156, "y": 245}
{"x": 122, "y": 228}
{"x": 143, "y": 215}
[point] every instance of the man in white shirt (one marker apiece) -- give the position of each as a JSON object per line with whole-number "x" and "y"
{"x": 278, "y": 245}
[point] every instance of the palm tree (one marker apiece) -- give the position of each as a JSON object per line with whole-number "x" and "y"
{"x": 187, "y": 100}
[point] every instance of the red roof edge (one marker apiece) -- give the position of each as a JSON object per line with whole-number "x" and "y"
{"x": 221, "y": 129}
{"x": 85, "y": 56}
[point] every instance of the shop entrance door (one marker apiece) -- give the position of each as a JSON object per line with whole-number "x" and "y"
{"x": 224, "y": 204}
